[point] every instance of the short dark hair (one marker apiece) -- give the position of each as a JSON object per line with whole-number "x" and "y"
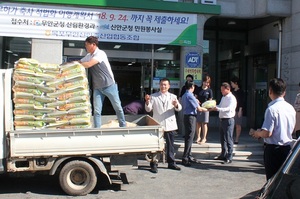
{"x": 92, "y": 40}
{"x": 226, "y": 85}
{"x": 235, "y": 80}
{"x": 278, "y": 86}
{"x": 189, "y": 84}
{"x": 164, "y": 79}
{"x": 189, "y": 75}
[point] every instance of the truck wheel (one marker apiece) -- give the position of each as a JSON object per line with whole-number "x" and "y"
{"x": 77, "y": 178}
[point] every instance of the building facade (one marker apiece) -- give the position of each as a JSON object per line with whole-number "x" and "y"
{"x": 254, "y": 40}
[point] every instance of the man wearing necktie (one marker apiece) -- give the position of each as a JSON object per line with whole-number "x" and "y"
{"x": 164, "y": 104}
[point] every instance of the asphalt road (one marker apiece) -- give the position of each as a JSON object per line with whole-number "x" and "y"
{"x": 209, "y": 180}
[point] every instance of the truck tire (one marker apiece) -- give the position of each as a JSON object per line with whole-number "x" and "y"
{"x": 77, "y": 178}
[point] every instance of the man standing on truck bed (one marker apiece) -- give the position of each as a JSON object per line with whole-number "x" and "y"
{"x": 104, "y": 84}
{"x": 164, "y": 105}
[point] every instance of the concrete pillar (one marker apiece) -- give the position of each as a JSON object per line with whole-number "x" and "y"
{"x": 47, "y": 51}
{"x": 201, "y": 19}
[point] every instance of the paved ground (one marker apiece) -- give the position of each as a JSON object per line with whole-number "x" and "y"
{"x": 209, "y": 180}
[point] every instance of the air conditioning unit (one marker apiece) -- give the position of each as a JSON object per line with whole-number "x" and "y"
{"x": 211, "y": 2}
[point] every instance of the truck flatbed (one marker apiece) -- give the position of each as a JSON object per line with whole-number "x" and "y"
{"x": 146, "y": 137}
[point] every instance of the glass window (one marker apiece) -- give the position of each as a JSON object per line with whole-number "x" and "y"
{"x": 167, "y": 68}
{"x": 133, "y": 74}
{"x": 110, "y": 46}
{"x": 206, "y": 58}
{"x": 14, "y": 49}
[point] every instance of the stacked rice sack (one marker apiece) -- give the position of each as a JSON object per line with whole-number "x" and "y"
{"x": 49, "y": 96}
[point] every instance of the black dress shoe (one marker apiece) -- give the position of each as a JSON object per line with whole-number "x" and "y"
{"x": 153, "y": 167}
{"x": 187, "y": 164}
{"x": 227, "y": 162}
{"x": 219, "y": 158}
{"x": 174, "y": 167}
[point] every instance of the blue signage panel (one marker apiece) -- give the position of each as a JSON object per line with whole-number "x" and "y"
{"x": 193, "y": 60}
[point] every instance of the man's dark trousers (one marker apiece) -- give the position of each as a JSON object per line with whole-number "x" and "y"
{"x": 226, "y": 137}
{"x": 190, "y": 128}
{"x": 274, "y": 157}
{"x": 169, "y": 136}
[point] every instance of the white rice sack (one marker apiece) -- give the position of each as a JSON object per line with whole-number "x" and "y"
{"x": 27, "y": 90}
{"x": 115, "y": 123}
{"x": 49, "y": 67}
{"x": 209, "y": 104}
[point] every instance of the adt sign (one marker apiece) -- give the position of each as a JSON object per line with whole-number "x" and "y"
{"x": 193, "y": 60}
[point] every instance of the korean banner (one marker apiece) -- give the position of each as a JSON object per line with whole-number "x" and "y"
{"x": 123, "y": 26}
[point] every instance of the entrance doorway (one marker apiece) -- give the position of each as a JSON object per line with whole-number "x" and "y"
{"x": 264, "y": 70}
{"x": 136, "y": 69}
{"x": 130, "y": 79}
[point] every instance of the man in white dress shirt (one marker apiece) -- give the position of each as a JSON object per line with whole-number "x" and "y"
{"x": 226, "y": 110}
{"x": 164, "y": 104}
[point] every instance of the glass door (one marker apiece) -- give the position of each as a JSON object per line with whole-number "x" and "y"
{"x": 264, "y": 70}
